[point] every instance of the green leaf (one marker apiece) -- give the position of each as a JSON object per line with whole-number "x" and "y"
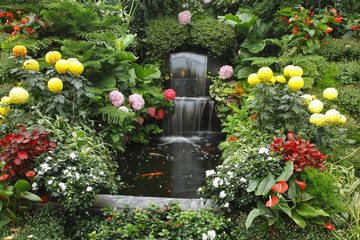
{"x": 108, "y": 81}
{"x": 265, "y": 185}
{"x": 22, "y": 185}
{"x": 264, "y": 210}
{"x": 229, "y": 90}
{"x": 306, "y": 210}
{"x": 321, "y": 212}
{"x": 23, "y": 209}
{"x": 12, "y": 215}
{"x": 311, "y": 32}
{"x": 252, "y": 215}
{"x": 318, "y": 220}
{"x": 286, "y": 172}
{"x": 252, "y": 185}
{"x": 254, "y": 47}
{"x": 292, "y": 189}
{"x": 275, "y": 217}
{"x": 317, "y": 43}
{"x": 244, "y": 72}
{"x": 284, "y": 206}
{"x": 298, "y": 219}
{"x": 6, "y": 193}
{"x": 305, "y": 197}
{"x": 309, "y": 42}
{"x": 4, "y": 219}
{"x": 115, "y": 137}
{"x": 30, "y": 196}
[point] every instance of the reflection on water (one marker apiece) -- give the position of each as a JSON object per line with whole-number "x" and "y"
{"x": 173, "y": 166}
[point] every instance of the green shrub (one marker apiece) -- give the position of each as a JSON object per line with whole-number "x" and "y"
{"x": 6, "y": 66}
{"x": 216, "y": 37}
{"x": 290, "y": 231}
{"x": 349, "y": 100}
{"x": 348, "y": 73}
{"x": 328, "y": 76}
{"x": 165, "y": 35}
{"x": 334, "y": 49}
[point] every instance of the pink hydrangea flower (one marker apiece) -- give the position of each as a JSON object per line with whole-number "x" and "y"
{"x": 116, "y": 98}
{"x": 124, "y": 109}
{"x": 226, "y": 72}
{"x": 151, "y": 111}
{"x": 140, "y": 120}
{"x": 169, "y": 94}
{"x": 185, "y": 17}
{"x": 136, "y": 101}
{"x": 207, "y": 1}
{"x": 160, "y": 114}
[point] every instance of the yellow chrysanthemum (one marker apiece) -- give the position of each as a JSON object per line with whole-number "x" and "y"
{"x": 4, "y": 110}
{"x": 19, "y": 51}
{"x": 253, "y": 79}
{"x": 18, "y": 95}
{"x": 5, "y": 100}
{"x": 52, "y": 57}
{"x": 32, "y": 64}
{"x": 280, "y": 79}
{"x": 308, "y": 98}
{"x": 330, "y": 93}
{"x": 296, "y": 71}
{"x": 316, "y": 106}
{"x": 296, "y": 83}
{"x": 287, "y": 70}
{"x": 318, "y": 119}
{"x": 342, "y": 119}
{"x": 265, "y": 74}
{"x": 55, "y": 85}
{"x": 62, "y": 66}
{"x": 332, "y": 116}
{"x": 2, "y": 119}
{"x": 76, "y": 68}
{"x": 313, "y": 97}
{"x": 70, "y": 60}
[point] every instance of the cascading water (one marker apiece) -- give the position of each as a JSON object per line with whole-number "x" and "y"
{"x": 175, "y": 164}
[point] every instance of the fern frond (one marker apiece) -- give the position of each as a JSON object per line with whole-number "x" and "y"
{"x": 110, "y": 114}
{"x": 29, "y": 43}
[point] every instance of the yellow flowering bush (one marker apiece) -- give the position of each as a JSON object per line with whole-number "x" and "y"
{"x": 253, "y": 79}
{"x": 265, "y": 74}
{"x": 296, "y": 83}
{"x": 62, "y": 66}
{"x": 18, "y": 95}
{"x": 52, "y": 57}
{"x": 32, "y": 64}
{"x": 5, "y": 100}
{"x": 76, "y": 68}
{"x": 287, "y": 70}
{"x": 316, "y": 106}
{"x": 332, "y": 116}
{"x": 19, "y": 51}
{"x": 281, "y": 79}
{"x": 296, "y": 71}
{"x": 318, "y": 119}
{"x": 308, "y": 98}
{"x": 55, "y": 85}
{"x": 330, "y": 93}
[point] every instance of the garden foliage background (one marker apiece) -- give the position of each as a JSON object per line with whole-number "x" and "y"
{"x": 291, "y": 168}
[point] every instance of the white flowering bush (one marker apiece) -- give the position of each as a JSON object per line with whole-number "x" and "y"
{"x": 227, "y": 184}
{"x": 73, "y": 178}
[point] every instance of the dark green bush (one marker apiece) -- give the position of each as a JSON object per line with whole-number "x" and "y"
{"x": 329, "y": 72}
{"x": 349, "y": 100}
{"x": 334, "y": 49}
{"x": 348, "y": 73}
{"x": 6, "y": 65}
{"x": 291, "y": 231}
{"x": 216, "y": 37}
{"x": 165, "y": 35}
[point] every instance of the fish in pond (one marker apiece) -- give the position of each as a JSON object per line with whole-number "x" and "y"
{"x": 150, "y": 175}
{"x": 207, "y": 149}
{"x": 156, "y": 154}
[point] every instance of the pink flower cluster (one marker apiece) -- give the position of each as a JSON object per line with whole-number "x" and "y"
{"x": 169, "y": 94}
{"x": 185, "y": 17}
{"x": 116, "y": 98}
{"x": 140, "y": 120}
{"x": 124, "y": 109}
{"x": 226, "y": 72}
{"x": 136, "y": 101}
{"x": 160, "y": 114}
{"x": 151, "y": 111}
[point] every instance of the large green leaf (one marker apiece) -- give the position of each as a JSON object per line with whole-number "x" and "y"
{"x": 321, "y": 212}
{"x": 252, "y": 185}
{"x": 124, "y": 41}
{"x": 252, "y": 215}
{"x": 254, "y": 47}
{"x": 6, "y": 193}
{"x": 244, "y": 72}
{"x": 243, "y": 22}
{"x": 286, "y": 172}
{"x": 22, "y": 185}
{"x": 305, "y": 210}
{"x": 265, "y": 185}
{"x": 275, "y": 217}
{"x": 318, "y": 220}
{"x": 292, "y": 189}
{"x": 4, "y": 219}
{"x": 298, "y": 219}
{"x": 145, "y": 73}
{"x": 106, "y": 82}
{"x": 264, "y": 211}
{"x": 284, "y": 206}
{"x": 12, "y": 215}
{"x": 30, "y": 196}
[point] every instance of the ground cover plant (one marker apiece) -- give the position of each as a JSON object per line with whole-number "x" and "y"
{"x": 79, "y": 80}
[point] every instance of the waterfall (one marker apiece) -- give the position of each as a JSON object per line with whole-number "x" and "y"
{"x": 193, "y": 108}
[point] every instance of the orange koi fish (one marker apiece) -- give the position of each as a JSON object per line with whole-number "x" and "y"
{"x": 150, "y": 175}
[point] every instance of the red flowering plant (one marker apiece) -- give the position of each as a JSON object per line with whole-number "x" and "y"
{"x": 302, "y": 154}
{"x": 19, "y": 149}
{"x": 308, "y": 27}
{"x": 23, "y": 22}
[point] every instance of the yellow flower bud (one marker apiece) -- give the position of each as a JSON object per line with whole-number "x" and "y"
{"x": 296, "y": 83}
{"x": 76, "y": 68}
{"x": 19, "y": 51}
{"x": 265, "y": 74}
{"x": 52, "y": 57}
{"x": 318, "y": 119}
{"x": 55, "y": 85}
{"x": 316, "y": 106}
{"x": 62, "y": 66}
{"x": 18, "y": 95}
{"x": 253, "y": 79}
{"x": 330, "y": 93}
{"x": 31, "y": 64}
